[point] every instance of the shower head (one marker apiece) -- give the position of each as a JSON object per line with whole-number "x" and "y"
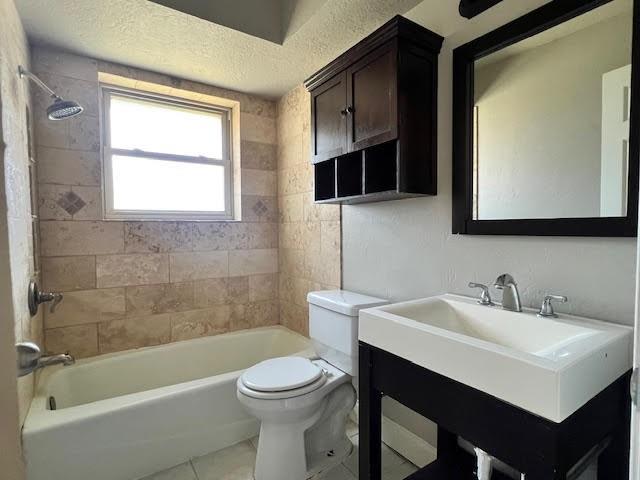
{"x": 60, "y": 109}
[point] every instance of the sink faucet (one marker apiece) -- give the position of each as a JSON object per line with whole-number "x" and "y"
{"x": 30, "y": 358}
{"x": 510, "y": 294}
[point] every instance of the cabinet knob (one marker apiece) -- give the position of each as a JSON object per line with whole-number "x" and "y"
{"x": 350, "y": 109}
{"x": 343, "y": 113}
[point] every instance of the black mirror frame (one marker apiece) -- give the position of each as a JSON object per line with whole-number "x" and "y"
{"x": 547, "y": 16}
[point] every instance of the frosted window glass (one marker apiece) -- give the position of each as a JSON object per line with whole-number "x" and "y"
{"x": 163, "y": 128}
{"x": 159, "y": 185}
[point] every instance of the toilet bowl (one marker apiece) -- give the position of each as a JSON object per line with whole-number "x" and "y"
{"x": 303, "y": 404}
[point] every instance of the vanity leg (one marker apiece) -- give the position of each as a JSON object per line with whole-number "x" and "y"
{"x": 370, "y": 414}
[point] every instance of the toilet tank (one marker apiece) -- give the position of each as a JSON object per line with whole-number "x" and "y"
{"x": 333, "y": 325}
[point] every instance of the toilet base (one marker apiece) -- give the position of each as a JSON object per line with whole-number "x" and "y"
{"x": 302, "y": 450}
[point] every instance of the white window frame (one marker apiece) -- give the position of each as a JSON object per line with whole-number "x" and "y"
{"x": 107, "y": 153}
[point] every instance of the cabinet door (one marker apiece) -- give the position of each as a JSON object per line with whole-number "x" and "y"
{"x": 328, "y": 119}
{"x": 372, "y": 99}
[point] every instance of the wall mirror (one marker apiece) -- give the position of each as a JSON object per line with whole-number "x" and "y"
{"x": 545, "y": 131}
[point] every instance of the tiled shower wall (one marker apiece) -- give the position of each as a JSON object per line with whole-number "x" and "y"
{"x": 310, "y": 236}
{"x": 15, "y": 188}
{"x": 134, "y": 284}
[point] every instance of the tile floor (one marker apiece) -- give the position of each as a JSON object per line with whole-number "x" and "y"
{"x": 236, "y": 463}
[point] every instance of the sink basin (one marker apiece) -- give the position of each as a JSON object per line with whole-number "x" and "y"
{"x": 547, "y": 366}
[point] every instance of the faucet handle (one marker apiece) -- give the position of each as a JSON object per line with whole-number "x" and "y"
{"x": 546, "y": 310}
{"x": 485, "y": 296}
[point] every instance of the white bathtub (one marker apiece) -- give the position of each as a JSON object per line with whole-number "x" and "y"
{"x": 126, "y": 415}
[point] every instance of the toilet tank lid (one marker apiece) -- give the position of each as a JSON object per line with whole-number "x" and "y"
{"x": 343, "y": 301}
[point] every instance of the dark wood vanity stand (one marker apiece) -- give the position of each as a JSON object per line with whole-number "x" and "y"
{"x": 540, "y": 448}
{"x": 374, "y": 115}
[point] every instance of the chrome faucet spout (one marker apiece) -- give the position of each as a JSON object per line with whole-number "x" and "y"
{"x": 63, "y": 358}
{"x": 510, "y": 293}
{"x": 30, "y": 358}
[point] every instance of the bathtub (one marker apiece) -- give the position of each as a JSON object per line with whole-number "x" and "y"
{"x": 126, "y": 415}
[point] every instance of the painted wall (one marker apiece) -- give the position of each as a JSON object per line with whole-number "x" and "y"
{"x": 134, "y": 284}
{"x": 404, "y": 249}
{"x": 551, "y": 92}
{"x": 310, "y": 245}
{"x": 16, "y": 244}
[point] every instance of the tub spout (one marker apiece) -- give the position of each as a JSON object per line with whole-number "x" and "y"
{"x": 484, "y": 464}
{"x": 63, "y": 358}
{"x": 30, "y": 358}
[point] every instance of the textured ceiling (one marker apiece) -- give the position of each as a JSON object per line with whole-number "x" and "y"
{"x": 150, "y": 36}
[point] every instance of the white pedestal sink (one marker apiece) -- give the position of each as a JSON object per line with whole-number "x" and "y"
{"x": 547, "y": 366}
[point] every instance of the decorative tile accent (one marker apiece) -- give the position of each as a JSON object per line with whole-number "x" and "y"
{"x": 259, "y": 208}
{"x": 71, "y": 202}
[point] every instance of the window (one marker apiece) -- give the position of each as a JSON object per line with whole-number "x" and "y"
{"x": 165, "y": 158}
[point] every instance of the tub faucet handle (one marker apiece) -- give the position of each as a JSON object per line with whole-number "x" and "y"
{"x": 36, "y": 297}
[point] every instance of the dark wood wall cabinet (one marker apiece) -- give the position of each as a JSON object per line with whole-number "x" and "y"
{"x": 373, "y": 117}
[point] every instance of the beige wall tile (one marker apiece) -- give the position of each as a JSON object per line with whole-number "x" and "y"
{"x": 131, "y": 269}
{"x": 294, "y": 317}
{"x": 292, "y": 262}
{"x": 295, "y": 180}
{"x": 84, "y": 133}
{"x": 200, "y": 323}
{"x": 68, "y": 167}
{"x": 263, "y": 287}
{"x": 63, "y": 274}
{"x": 262, "y": 314}
{"x": 258, "y": 235}
{"x": 79, "y": 340}
{"x": 290, "y": 153}
{"x": 117, "y": 335}
{"x": 259, "y": 182}
{"x": 255, "y": 128}
{"x": 164, "y": 298}
{"x": 51, "y": 134}
{"x": 253, "y": 262}
{"x": 87, "y": 306}
{"x": 237, "y": 289}
{"x": 294, "y": 290}
{"x": 198, "y": 265}
{"x": 290, "y": 208}
{"x": 81, "y": 238}
{"x": 158, "y": 237}
{"x": 259, "y": 156}
{"x": 213, "y": 236}
{"x": 210, "y": 292}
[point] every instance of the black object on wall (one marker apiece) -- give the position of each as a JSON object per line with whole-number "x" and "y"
{"x": 471, "y": 8}
{"x": 464, "y": 57}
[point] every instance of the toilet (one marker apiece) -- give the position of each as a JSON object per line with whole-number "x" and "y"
{"x": 303, "y": 404}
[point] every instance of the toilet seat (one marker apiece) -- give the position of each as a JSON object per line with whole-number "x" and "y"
{"x": 280, "y": 378}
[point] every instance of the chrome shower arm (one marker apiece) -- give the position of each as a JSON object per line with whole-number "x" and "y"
{"x": 26, "y": 73}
